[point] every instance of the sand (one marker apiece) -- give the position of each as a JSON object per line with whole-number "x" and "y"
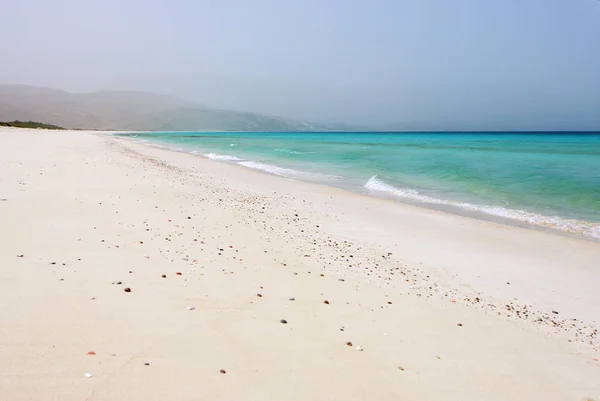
{"x": 435, "y": 306}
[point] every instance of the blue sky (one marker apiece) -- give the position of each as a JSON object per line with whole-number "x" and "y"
{"x": 424, "y": 64}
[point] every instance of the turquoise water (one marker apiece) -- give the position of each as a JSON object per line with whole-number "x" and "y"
{"x": 544, "y": 179}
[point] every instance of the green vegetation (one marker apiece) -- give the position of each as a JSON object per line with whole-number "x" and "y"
{"x": 28, "y": 124}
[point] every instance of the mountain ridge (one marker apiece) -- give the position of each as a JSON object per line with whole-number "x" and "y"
{"x": 133, "y": 110}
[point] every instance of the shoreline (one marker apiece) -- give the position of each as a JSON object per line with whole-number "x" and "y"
{"x": 465, "y": 209}
{"x": 392, "y": 208}
{"x": 217, "y": 256}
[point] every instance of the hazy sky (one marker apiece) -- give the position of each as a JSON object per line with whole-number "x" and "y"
{"x": 450, "y": 64}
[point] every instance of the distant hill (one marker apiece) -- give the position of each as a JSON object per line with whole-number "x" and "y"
{"x": 136, "y": 111}
{"x": 28, "y": 124}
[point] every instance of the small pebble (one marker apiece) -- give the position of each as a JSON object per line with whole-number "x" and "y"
{"x": 222, "y": 371}
{"x": 283, "y": 321}
{"x": 164, "y": 276}
{"x": 147, "y": 363}
{"x": 88, "y": 375}
{"x": 191, "y": 308}
{"x": 460, "y": 324}
{"x": 349, "y": 344}
{"x": 326, "y": 302}
{"x": 259, "y": 295}
{"x": 127, "y": 289}
{"x": 178, "y": 273}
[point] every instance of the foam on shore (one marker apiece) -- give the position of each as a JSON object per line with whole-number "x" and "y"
{"x": 378, "y": 186}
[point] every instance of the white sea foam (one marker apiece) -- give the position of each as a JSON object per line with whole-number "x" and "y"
{"x": 233, "y": 144}
{"x": 288, "y": 172}
{"x": 214, "y": 156}
{"x": 293, "y": 152}
{"x": 569, "y": 225}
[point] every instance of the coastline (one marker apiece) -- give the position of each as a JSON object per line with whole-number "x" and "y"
{"x": 444, "y": 208}
{"x": 561, "y": 244}
{"x": 521, "y": 216}
{"x": 411, "y": 273}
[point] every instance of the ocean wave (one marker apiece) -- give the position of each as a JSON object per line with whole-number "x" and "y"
{"x": 568, "y": 225}
{"x": 288, "y": 172}
{"x": 214, "y": 156}
{"x": 292, "y": 152}
{"x": 233, "y": 144}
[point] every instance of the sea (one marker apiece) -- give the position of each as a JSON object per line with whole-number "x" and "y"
{"x": 543, "y": 179}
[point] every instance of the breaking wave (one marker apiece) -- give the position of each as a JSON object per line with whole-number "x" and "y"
{"x": 568, "y": 225}
{"x": 288, "y": 172}
{"x": 214, "y": 156}
{"x": 292, "y": 152}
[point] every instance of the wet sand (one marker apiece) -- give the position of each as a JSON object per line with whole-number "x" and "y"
{"x": 434, "y": 305}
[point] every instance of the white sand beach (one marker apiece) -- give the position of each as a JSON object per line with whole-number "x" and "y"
{"x": 379, "y": 300}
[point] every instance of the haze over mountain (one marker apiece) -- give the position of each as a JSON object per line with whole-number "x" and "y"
{"x": 123, "y": 110}
{"x": 408, "y": 65}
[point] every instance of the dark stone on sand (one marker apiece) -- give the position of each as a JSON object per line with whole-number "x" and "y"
{"x": 349, "y": 344}
{"x": 127, "y": 289}
{"x": 283, "y": 321}
{"x": 222, "y": 371}
{"x": 459, "y": 325}
{"x": 19, "y": 256}
{"x": 326, "y": 302}
{"x": 259, "y": 295}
